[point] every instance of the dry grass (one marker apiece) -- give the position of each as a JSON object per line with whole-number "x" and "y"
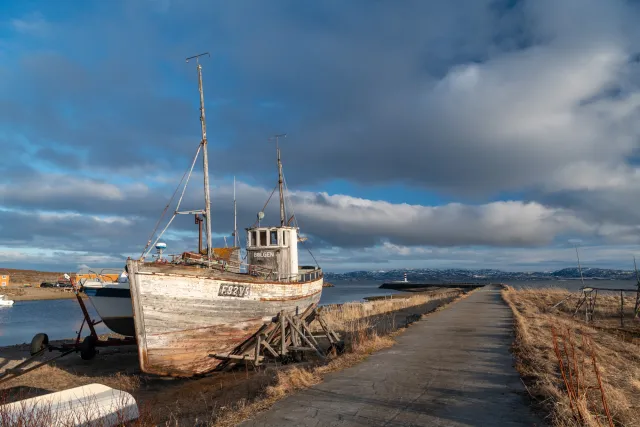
{"x": 226, "y": 399}
{"x": 340, "y": 317}
{"x": 617, "y": 360}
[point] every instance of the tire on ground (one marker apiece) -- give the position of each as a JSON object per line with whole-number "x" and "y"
{"x": 88, "y": 348}
{"x": 38, "y": 343}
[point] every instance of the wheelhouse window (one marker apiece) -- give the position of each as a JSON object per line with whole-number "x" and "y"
{"x": 263, "y": 238}
{"x": 274, "y": 238}
{"x": 284, "y": 237}
{"x": 254, "y": 240}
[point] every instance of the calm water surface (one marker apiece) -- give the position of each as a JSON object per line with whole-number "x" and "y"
{"x": 62, "y": 318}
{"x": 348, "y": 291}
{"x": 57, "y": 318}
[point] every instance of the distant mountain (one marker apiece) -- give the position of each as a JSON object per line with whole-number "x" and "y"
{"x": 460, "y": 275}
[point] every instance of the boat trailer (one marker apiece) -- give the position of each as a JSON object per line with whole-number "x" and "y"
{"x": 88, "y": 347}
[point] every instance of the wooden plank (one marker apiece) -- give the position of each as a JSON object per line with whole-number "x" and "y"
{"x": 295, "y": 328}
{"x": 138, "y": 316}
{"x": 268, "y": 347}
{"x": 293, "y": 348}
{"x": 235, "y": 356}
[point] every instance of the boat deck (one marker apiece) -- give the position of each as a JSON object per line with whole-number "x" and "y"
{"x": 219, "y": 273}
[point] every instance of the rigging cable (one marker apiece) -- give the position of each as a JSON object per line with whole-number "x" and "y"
{"x": 179, "y": 202}
{"x": 265, "y": 205}
{"x": 162, "y": 215}
{"x": 295, "y": 219}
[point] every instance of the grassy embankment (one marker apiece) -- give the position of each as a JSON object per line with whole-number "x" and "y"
{"x": 598, "y": 381}
{"x": 227, "y": 399}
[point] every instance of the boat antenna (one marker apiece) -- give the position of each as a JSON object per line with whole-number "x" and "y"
{"x": 283, "y": 215}
{"x": 236, "y": 239}
{"x": 205, "y": 157}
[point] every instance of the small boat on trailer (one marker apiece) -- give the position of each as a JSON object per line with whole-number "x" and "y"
{"x": 199, "y": 305}
{"x": 87, "y": 347}
{"x": 112, "y": 301}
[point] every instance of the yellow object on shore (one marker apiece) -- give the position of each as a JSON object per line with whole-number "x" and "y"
{"x": 111, "y": 277}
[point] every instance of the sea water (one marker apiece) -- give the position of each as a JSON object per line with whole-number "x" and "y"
{"x": 61, "y": 319}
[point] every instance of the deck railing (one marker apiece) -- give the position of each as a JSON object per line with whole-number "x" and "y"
{"x": 306, "y": 274}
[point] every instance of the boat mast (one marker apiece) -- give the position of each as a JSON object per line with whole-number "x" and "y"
{"x": 283, "y": 216}
{"x": 235, "y": 217}
{"x": 205, "y": 158}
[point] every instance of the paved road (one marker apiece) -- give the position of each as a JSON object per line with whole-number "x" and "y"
{"x": 451, "y": 369}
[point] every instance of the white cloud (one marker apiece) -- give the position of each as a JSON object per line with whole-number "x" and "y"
{"x": 34, "y": 24}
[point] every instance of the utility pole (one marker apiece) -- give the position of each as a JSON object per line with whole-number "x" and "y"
{"x": 205, "y": 158}
{"x": 283, "y": 215}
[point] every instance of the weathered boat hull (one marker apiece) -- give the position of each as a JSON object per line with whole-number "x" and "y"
{"x": 183, "y": 314}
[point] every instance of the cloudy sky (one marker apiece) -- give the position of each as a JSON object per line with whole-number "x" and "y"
{"x": 467, "y": 133}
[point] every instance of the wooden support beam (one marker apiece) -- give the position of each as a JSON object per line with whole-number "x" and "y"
{"x": 285, "y": 334}
{"x": 257, "y": 350}
{"x": 283, "y": 347}
{"x": 268, "y": 347}
{"x": 234, "y": 356}
{"x": 306, "y": 329}
{"x": 293, "y": 348}
{"x": 318, "y": 352}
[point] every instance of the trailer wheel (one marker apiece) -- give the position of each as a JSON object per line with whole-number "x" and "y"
{"x": 38, "y": 343}
{"x": 88, "y": 348}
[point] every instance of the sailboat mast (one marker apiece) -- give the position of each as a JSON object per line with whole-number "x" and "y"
{"x": 205, "y": 159}
{"x": 283, "y": 215}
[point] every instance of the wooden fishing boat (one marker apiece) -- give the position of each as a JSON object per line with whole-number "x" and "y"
{"x": 201, "y": 304}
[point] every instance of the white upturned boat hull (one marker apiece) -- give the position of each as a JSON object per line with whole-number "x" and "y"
{"x": 184, "y": 314}
{"x": 88, "y": 405}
